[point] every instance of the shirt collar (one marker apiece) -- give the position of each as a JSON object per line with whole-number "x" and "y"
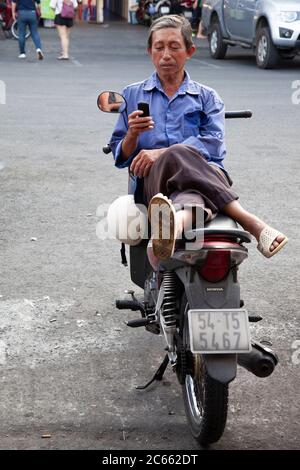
{"x": 187, "y": 86}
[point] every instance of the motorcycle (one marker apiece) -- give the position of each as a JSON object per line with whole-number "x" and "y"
{"x": 193, "y": 299}
{"x": 8, "y": 24}
{"x": 185, "y": 8}
{"x": 178, "y": 7}
{"x": 148, "y": 11}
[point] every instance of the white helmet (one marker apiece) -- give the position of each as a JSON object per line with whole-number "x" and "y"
{"x": 127, "y": 221}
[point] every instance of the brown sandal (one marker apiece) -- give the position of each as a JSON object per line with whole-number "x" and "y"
{"x": 162, "y": 217}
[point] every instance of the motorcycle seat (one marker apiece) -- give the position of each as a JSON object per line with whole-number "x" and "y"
{"x": 221, "y": 226}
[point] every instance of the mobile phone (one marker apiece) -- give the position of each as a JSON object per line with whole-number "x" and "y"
{"x": 145, "y": 108}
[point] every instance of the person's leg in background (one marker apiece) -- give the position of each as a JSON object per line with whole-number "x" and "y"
{"x": 63, "y": 34}
{"x": 79, "y": 11}
{"x": 33, "y": 26}
{"x": 22, "y": 22}
{"x": 68, "y": 32}
{"x": 200, "y": 33}
{"x": 100, "y": 5}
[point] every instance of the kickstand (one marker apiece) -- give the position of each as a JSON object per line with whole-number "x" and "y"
{"x": 158, "y": 374}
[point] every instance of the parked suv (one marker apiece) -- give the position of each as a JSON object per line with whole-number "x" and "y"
{"x": 270, "y": 27}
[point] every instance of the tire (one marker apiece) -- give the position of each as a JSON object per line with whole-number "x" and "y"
{"x": 267, "y": 55}
{"x": 14, "y": 31}
{"x": 217, "y": 47}
{"x": 205, "y": 399}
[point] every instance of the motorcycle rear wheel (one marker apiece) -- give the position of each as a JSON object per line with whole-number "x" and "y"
{"x": 205, "y": 399}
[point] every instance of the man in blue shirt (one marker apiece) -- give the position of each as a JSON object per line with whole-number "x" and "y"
{"x": 26, "y": 13}
{"x": 178, "y": 151}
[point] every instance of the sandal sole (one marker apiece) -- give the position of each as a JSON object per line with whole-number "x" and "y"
{"x": 163, "y": 217}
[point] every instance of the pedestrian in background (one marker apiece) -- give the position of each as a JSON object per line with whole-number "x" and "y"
{"x": 197, "y": 7}
{"x": 63, "y": 24}
{"x": 198, "y": 13}
{"x": 27, "y": 13}
{"x": 79, "y": 10}
{"x": 100, "y": 7}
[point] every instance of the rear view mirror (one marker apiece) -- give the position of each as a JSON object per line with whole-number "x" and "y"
{"x": 111, "y": 102}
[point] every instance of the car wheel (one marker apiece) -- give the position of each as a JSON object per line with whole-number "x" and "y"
{"x": 266, "y": 53}
{"x": 217, "y": 47}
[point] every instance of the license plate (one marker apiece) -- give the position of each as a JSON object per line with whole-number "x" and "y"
{"x": 219, "y": 331}
{"x": 188, "y": 14}
{"x": 165, "y": 10}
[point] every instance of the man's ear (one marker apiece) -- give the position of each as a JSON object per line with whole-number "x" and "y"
{"x": 191, "y": 51}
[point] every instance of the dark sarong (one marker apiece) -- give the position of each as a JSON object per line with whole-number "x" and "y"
{"x": 183, "y": 174}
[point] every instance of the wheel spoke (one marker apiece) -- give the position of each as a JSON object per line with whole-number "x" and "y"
{"x": 205, "y": 399}
{"x": 195, "y": 399}
{"x": 214, "y": 42}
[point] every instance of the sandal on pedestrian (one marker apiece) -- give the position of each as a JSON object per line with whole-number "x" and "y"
{"x": 267, "y": 236}
{"x": 162, "y": 217}
{"x": 61, "y": 57}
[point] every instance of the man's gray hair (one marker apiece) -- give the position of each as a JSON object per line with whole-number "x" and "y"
{"x": 172, "y": 21}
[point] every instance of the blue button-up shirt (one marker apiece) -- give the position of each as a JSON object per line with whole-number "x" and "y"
{"x": 193, "y": 116}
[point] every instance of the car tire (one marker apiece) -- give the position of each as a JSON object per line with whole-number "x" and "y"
{"x": 217, "y": 47}
{"x": 267, "y": 55}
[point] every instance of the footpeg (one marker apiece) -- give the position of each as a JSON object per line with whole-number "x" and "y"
{"x": 128, "y": 305}
{"x": 138, "y": 322}
{"x": 254, "y": 318}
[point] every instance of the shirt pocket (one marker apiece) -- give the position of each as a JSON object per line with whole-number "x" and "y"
{"x": 191, "y": 123}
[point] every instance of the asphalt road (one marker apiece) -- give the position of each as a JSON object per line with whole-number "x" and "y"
{"x": 69, "y": 364}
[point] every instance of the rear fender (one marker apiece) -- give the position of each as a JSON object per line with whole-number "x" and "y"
{"x": 226, "y": 294}
{"x": 221, "y": 367}
{"x": 202, "y": 294}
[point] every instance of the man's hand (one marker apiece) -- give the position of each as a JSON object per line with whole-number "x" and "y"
{"x": 143, "y": 162}
{"x": 138, "y": 124}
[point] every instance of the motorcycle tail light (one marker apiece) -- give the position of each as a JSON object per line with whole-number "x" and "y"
{"x": 216, "y": 266}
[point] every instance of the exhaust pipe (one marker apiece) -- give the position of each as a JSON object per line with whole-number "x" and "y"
{"x": 261, "y": 361}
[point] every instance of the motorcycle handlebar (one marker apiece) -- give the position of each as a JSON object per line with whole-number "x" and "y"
{"x": 228, "y": 115}
{"x": 238, "y": 114}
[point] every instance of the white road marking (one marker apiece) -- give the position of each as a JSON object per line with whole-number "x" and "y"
{"x": 2, "y": 353}
{"x": 76, "y": 62}
{"x": 208, "y": 64}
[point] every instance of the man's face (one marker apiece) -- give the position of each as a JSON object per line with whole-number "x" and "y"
{"x": 168, "y": 51}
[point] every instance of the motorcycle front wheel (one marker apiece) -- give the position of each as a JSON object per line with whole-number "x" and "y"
{"x": 205, "y": 399}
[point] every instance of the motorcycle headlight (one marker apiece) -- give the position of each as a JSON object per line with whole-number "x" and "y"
{"x": 289, "y": 16}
